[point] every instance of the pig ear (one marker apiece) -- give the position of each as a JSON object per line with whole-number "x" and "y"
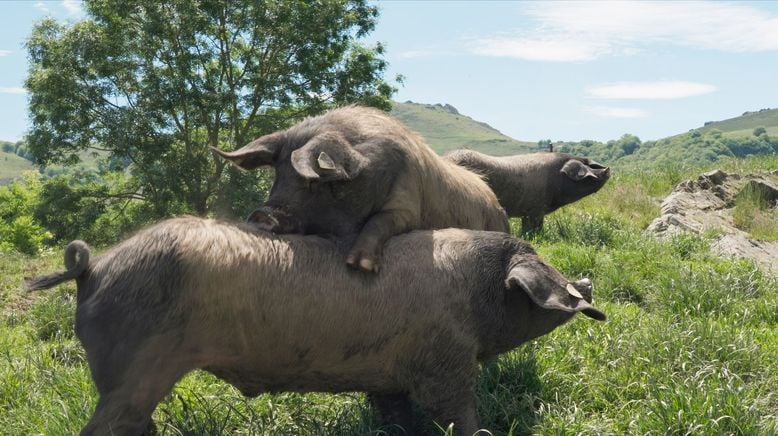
{"x": 328, "y": 157}
{"x": 576, "y": 170}
{"x": 544, "y": 291}
{"x": 257, "y": 153}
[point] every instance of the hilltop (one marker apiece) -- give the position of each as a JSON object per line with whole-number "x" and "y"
{"x": 446, "y": 129}
{"x": 753, "y": 133}
{"x": 745, "y": 124}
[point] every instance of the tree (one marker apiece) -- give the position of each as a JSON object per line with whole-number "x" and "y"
{"x": 156, "y": 83}
{"x": 628, "y": 143}
{"x": 759, "y": 131}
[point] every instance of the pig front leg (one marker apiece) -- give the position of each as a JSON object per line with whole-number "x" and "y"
{"x": 531, "y": 224}
{"x": 395, "y": 413}
{"x": 366, "y": 252}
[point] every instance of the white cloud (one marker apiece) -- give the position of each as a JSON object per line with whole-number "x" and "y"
{"x": 72, "y": 6}
{"x": 42, "y": 7}
{"x": 662, "y": 90}
{"x": 12, "y": 90}
{"x": 617, "y": 112}
{"x": 539, "y": 49}
{"x": 580, "y": 31}
{"x": 5, "y": 52}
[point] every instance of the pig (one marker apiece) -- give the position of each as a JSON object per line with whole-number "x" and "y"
{"x": 360, "y": 176}
{"x": 531, "y": 186}
{"x": 272, "y": 313}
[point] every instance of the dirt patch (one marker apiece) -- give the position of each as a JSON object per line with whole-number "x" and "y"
{"x": 706, "y": 205}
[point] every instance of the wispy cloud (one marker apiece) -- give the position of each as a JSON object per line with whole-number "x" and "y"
{"x": 42, "y": 7}
{"x": 5, "y": 52}
{"x": 662, "y": 90}
{"x": 540, "y": 49}
{"x": 582, "y": 31}
{"x": 72, "y": 6}
{"x": 12, "y": 90}
{"x": 617, "y": 112}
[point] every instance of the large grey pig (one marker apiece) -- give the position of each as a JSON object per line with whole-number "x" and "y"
{"x": 361, "y": 176}
{"x": 531, "y": 186}
{"x": 271, "y": 313}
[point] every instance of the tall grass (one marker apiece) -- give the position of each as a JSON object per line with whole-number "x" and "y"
{"x": 756, "y": 214}
{"x": 690, "y": 346}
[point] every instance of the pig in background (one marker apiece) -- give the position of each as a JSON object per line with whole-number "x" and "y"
{"x": 361, "y": 176}
{"x": 273, "y": 313}
{"x": 531, "y": 186}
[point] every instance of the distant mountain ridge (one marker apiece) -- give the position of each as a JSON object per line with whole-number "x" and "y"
{"x": 445, "y": 129}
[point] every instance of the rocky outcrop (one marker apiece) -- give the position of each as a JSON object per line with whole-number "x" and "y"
{"x": 705, "y": 206}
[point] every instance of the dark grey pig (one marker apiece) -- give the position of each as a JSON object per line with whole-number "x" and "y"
{"x": 361, "y": 176}
{"x": 273, "y": 313}
{"x": 531, "y": 186}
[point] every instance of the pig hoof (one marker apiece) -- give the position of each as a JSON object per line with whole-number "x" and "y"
{"x": 368, "y": 265}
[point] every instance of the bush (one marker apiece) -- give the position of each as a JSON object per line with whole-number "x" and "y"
{"x": 19, "y": 229}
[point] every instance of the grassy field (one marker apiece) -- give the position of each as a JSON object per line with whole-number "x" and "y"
{"x": 690, "y": 347}
{"x": 744, "y": 125}
{"x": 445, "y": 130}
{"x": 12, "y": 166}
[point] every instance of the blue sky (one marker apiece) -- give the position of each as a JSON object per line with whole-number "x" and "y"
{"x": 536, "y": 70}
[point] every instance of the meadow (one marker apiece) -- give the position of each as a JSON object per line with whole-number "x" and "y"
{"x": 690, "y": 346}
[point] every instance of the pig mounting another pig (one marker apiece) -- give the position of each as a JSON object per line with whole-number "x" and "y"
{"x": 361, "y": 176}
{"x": 271, "y": 313}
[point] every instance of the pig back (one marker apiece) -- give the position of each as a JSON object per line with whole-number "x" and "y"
{"x": 259, "y": 307}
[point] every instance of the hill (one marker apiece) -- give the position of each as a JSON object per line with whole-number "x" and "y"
{"x": 12, "y": 166}
{"x": 734, "y": 137}
{"x": 446, "y": 129}
{"x": 744, "y": 125}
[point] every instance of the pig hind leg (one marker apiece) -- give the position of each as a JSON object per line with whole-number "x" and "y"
{"x": 129, "y": 395}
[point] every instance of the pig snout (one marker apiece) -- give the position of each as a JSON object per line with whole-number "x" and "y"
{"x": 274, "y": 220}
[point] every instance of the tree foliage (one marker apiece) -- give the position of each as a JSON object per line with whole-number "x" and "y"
{"x": 19, "y": 229}
{"x": 155, "y": 83}
{"x": 693, "y": 147}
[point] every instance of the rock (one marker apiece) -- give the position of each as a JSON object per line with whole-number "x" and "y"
{"x": 717, "y": 177}
{"x": 706, "y": 204}
{"x": 767, "y": 190}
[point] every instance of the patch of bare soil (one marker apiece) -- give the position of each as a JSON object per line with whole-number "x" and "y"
{"x": 705, "y": 205}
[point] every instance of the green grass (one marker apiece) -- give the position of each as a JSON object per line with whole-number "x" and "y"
{"x": 772, "y": 131}
{"x": 445, "y": 131}
{"x": 690, "y": 346}
{"x": 754, "y": 214}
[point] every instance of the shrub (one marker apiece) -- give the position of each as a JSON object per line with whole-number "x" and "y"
{"x": 19, "y": 230}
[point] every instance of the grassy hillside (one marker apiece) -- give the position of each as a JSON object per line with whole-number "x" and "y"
{"x": 690, "y": 347}
{"x": 745, "y": 124}
{"x": 12, "y": 166}
{"x": 446, "y": 129}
